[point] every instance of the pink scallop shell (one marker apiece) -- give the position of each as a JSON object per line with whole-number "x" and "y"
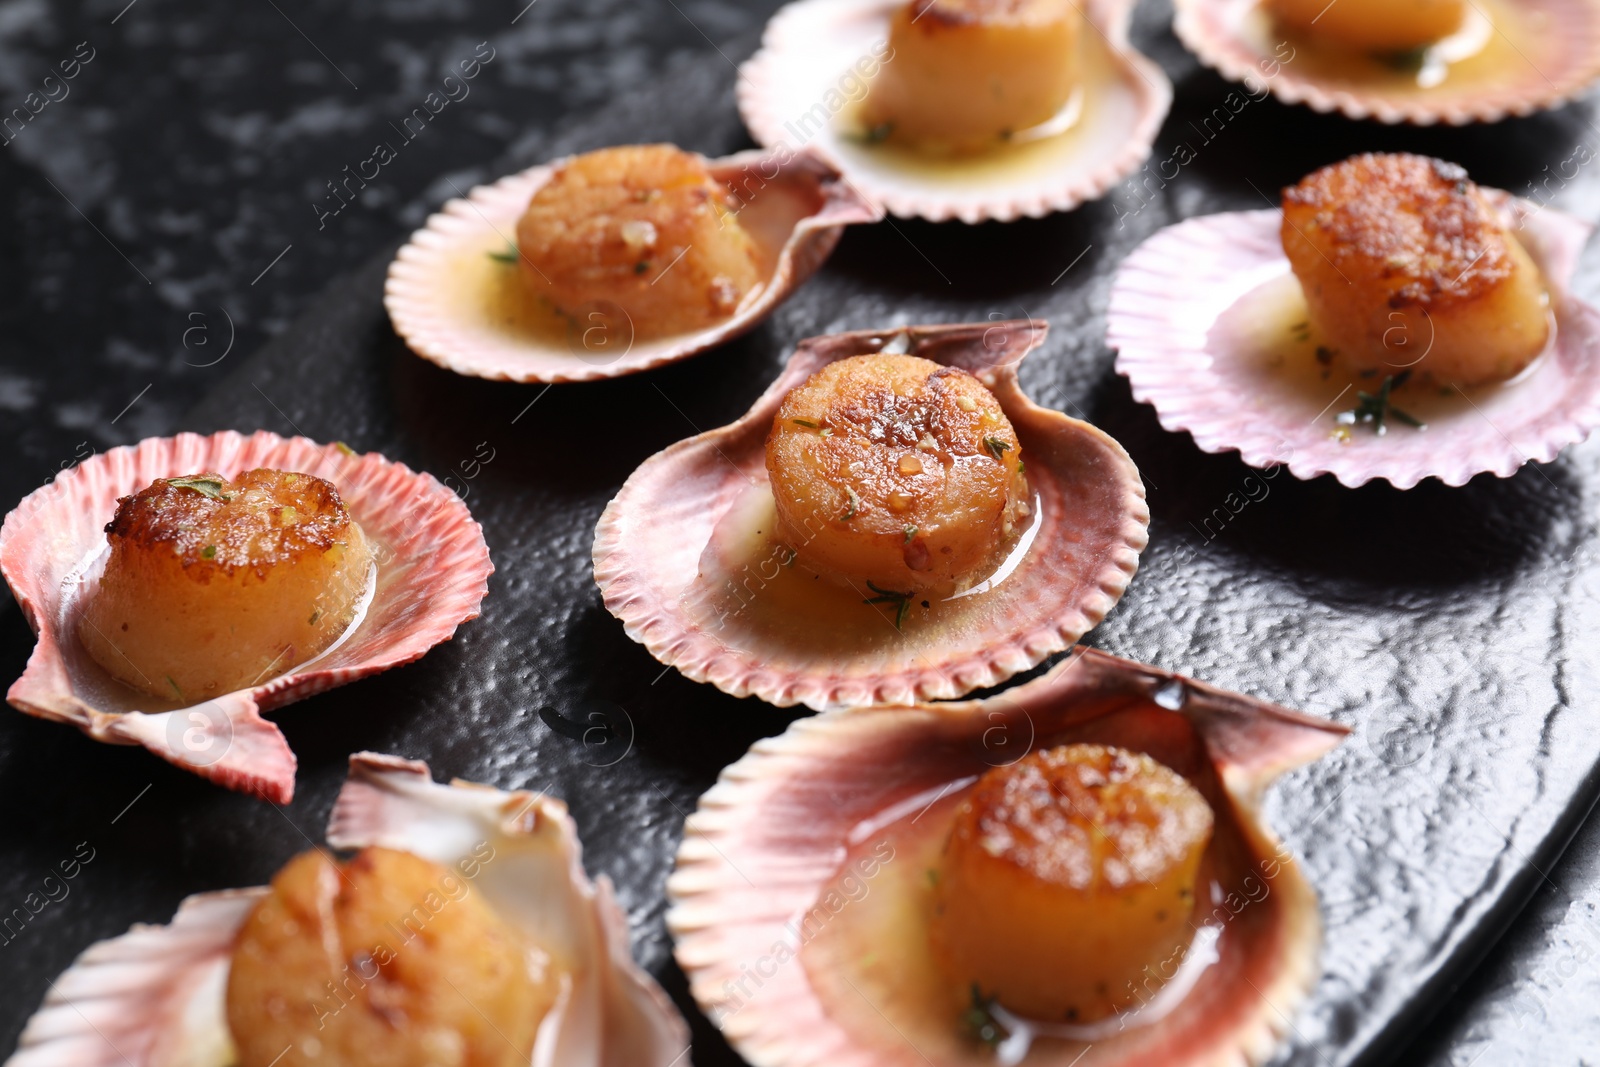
{"x": 1214, "y": 30}
{"x": 154, "y": 996}
{"x": 773, "y": 833}
{"x": 795, "y": 205}
{"x": 433, "y": 574}
{"x": 809, "y": 47}
{"x": 1093, "y": 527}
{"x": 1170, "y": 293}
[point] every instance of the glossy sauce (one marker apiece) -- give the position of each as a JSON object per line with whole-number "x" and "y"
{"x": 866, "y": 949}
{"x": 1497, "y": 43}
{"x": 755, "y": 581}
{"x": 1281, "y": 363}
{"x": 1035, "y": 151}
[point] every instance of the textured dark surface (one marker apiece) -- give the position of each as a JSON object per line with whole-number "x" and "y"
{"x": 1453, "y": 629}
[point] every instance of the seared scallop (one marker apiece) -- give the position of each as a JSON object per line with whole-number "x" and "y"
{"x": 895, "y": 470}
{"x": 389, "y": 960}
{"x": 645, "y": 229}
{"x": 966, "y": 73}
{"x": 1375, "y": 26}
{"x": 212, "y": 586}
{"x": 1067, "y": 882}
{"x": 1407, "y": 265}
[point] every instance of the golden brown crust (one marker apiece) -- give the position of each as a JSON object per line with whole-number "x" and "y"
{"x": 1414, "y": 223}
{"x": 258, "y": 520}
{"x": 1085, "y": 817}
{"x": 884, "y": 415}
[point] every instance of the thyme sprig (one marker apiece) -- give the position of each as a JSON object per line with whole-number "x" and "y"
{"x": 979, "y": 1021}
{"x": 1375, "y": 409}
{"x": 901, "y": 602}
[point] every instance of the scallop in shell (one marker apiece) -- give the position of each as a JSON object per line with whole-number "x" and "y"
{"x": 455, "y": 293}
{"x": 1204, "y": 315}
{"x": 432, "y": 570}
{"x": 802, "y": 893}
{"x": 683, "y": 554}
{"x": 1506, "y": 58}
{"x": 818, "y": 57}
{"x": 156, "y": 994}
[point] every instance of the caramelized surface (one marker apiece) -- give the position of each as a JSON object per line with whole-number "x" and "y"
{"x": 895, "y": 470}
{"x": 387, "y": 961}
{"x": 212, "y": 586}
{"x": 1068, "y": 881}
{"x": 1406, "y": 264}
{"x": 1376, "y": 26}
{"x": 645, "y": 228}
{"x": 968, "y": 73}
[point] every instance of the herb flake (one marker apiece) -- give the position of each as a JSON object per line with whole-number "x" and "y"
{"x": 807, "y": 423}
{"x": 1375, "y": 409}
{"x": 911, "y": 532}
{"x": 209, "y": 552}
{"x": 979, "y": 1023}
{"x": 510, "y": 255}
{"x": 854, "y": 505}
{"x": 204, "y": 485}
{"x": 997, "y": 448}
{"x": 901, "y": 601}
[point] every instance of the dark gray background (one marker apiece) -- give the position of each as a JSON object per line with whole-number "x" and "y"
{"x": 150, "y": 207}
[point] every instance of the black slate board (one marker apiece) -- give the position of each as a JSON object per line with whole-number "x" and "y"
{"x": 1450, "y": 628}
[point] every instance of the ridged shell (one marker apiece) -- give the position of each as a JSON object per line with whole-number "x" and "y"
{"x": 1568, "y": 36}
{"x": 432, "y": 575}
{"x": 798, "y": 209}
{"x": 154, "y": 996}
{"x": 649, "y": 540}
{"x": 809, "y": 46}
{"x": 1170, "y": 295}
{"x": 775, "y": 829}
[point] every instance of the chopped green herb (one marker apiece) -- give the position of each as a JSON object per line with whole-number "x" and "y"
{"x": 1408, "y": 62}
{"x": 979, "y": 1022}
{"x": 855, "y": 503}
{"x": 1019, "y": 466}
{"x": 209, "y": 552}
{"x": 879, "y": 133}
{"x": 997, "y": 448}
{"x": 344, "y": 449}
{"x": 207, "y": 487}
{"x": 807, "y": 423}
{"x": 315, "y": 615}
{"x": 510, "y": 255}
{"x": 1324, "y": 355}
{"x": 175, "y": 688}
{"x": 901, "y": 601}
{"x": 911, "y": 531}
{"x": 1375, "y": 409}
{"x": 641, "y": 266}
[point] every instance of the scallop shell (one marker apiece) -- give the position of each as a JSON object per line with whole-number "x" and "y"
{"x": 432, "y": 575}
{"x": 794, "y": 205}
{"x": 805, "y": 62}
{"x": 1090, "y": 530}
{"x": 154, "y": 996}
{"x": 1166, "y": 321}
{"x": 770, "y": 839}
{"x": 1232, "y": 37}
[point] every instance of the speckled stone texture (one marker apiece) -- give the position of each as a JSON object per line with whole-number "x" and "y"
{"x": 1453, "y": 629}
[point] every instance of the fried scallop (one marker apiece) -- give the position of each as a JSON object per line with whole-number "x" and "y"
{"x": 213, "y": 585}
{"x": 646, "y": 229}
{"x": 1068, "y": 878}
{"x": 1406, "y": 264}
{"x": 389, "y": 960}
{"x": 1384, "y": 27}
{"x": 969, "y": 73}
{"x": 895, "y": 470}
